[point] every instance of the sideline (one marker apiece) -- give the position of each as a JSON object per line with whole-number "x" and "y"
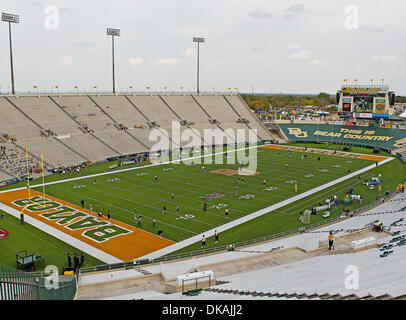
{"x": 94, "y": 252}
{"x": 184, "y": 243}
{"x": 134, "y": 168}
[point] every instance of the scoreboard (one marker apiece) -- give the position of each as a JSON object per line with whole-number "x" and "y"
{"x": 375, "y": 100}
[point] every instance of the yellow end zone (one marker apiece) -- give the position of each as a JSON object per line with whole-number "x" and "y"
{"x": 114, "y": 237}
{"x": 327, "y": 152}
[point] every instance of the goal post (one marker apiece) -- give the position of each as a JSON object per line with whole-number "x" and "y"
{"x": 28, "y": 186}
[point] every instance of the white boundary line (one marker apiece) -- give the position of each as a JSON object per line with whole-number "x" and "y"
{"x": 80, "y": 245}
{"x": 134, "y": 168}
{"x": 178, "y": 160}
{"x": 97, "y": 253}
{"x": 179, "y": 245}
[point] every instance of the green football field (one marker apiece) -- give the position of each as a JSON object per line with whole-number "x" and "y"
{"x": 124, "y": 193}
{"x": 136, "y": 191}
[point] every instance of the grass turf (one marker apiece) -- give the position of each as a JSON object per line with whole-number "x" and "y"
{"x": 287, "y": 217}
{"x": 35, "y": 241}
{"x": 136, "y": 191}
{"x": 132, "y": 192}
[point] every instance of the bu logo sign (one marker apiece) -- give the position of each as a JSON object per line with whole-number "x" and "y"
{"x": 297, "y": 132}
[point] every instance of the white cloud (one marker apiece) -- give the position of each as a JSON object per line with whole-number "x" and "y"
{"x": 294, "y": 9}
{"x": 66, "y": 60}
{"x": 168, "y": 61}
{"x": 386, "y": 57}
{"x": 318, "y": 62}
{"x": 260, "y": 14}
{"x": 136, "y": 61}
{"x": 189, "y": 52}
{"x": 294, "y": 46}
{"x": 302, "y": 54}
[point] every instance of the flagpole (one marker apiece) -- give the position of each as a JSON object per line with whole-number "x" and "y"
{"x": 28, "y": 175}
{"x": 43, "y": 181}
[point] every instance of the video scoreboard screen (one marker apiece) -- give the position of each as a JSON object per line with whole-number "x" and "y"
{"x": 360, "y": 90}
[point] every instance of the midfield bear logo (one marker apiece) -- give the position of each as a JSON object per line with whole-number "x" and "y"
{"x": 297, "y": 132}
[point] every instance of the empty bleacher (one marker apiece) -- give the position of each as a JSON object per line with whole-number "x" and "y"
{"x": 15, "y": 123}
{"x": 71, "y": 129}
{"x": 324, "y": 276}
{"x": 218, "y": 108}
{"x": 245, "y": 112}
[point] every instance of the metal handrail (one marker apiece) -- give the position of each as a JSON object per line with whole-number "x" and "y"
{"x": 244, "y": 243}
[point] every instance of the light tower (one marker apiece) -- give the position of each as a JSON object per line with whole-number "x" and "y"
{"x": 113, "y": 32}
{"x": 11, "y": 18}
{"x": 198, "y": 40}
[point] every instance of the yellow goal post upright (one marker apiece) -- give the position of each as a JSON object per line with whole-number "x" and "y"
{"x": 28, "y": 186}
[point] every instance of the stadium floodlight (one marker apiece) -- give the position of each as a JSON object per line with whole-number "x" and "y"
{"x": 198, "y": 40}
{"x": 113, "y": 33}
{"x": 11, "y": 18}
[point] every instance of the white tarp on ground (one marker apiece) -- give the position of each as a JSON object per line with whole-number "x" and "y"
{"x": 403, "y": 114}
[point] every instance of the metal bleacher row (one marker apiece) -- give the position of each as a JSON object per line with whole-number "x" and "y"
{"x": 72, "y": 129}
{"x": 322, "y": 275}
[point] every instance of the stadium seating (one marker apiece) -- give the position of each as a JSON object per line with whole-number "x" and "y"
{"x": 218, "y": 108}
{"x": 294, "y": 272}
{"x": 324, "y": 276}
{"x": 72, "y": 129}
{"x": 13, "y": 162}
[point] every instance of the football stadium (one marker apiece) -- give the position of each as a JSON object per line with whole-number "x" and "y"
{"x": 200, "y": 194}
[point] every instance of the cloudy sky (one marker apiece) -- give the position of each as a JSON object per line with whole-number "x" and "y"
{"x": 261, "y": 45}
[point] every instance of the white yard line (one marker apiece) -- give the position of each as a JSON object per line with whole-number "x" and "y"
{"x": 169, "y": 162}
{"x": 135, "y": 168}
{"x": 182, "y": 244}
{"x": 110, "y": 259}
